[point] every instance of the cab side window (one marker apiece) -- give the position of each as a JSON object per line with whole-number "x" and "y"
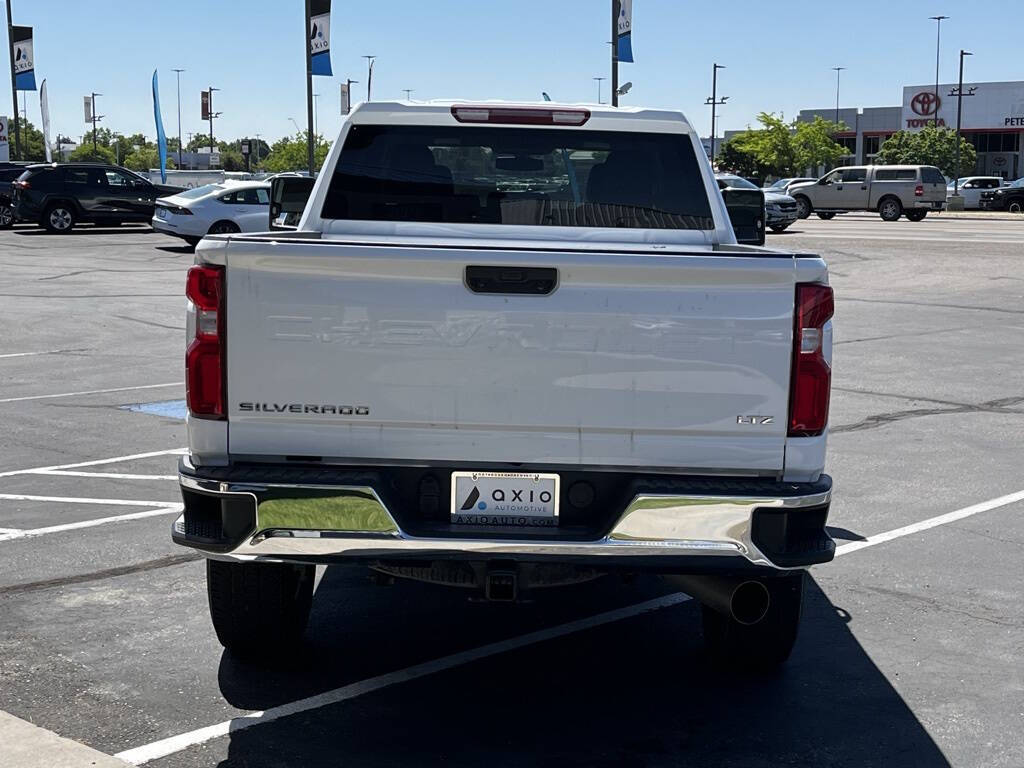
{"x": 228, "y": 198}
{"x": 855, "y": 175}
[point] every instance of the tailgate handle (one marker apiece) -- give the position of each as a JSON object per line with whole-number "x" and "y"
{"x": 539, "y": 281}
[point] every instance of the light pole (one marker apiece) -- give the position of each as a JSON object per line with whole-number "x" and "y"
{"x": 959, "y": 93}
{"x": 297, "y": 129}
{"x": 14, "y": 86}
{"x": 938, "y": 38}
{"x": 212, "y": 115}
{"x": 95, "y": 117}
{"x": 715, "y": 102}
{"x": 408, "y": 93}
{"x": 177, "y": 73}
{"x": 837, "y": 71}
{"x": 369, "y": 74}
{"x": 599, "y": 79}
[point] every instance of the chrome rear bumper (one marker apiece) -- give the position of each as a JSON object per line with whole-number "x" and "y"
{"x": 777, "y": 526}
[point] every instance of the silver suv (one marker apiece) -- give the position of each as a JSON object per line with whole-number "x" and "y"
{"x": 892, "y": 190}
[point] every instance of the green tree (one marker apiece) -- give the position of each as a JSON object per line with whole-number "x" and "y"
{"x": 929, "y": 146}
{"x": 772, "y": 145}
{"x": 737, "y": 156}
{"x": 289, "y": 154}
{"x": 86, "y": 154}
{"x": 814, "y": 145}
{"x": 147, "y": 157}
{"x": 32, "y": 146}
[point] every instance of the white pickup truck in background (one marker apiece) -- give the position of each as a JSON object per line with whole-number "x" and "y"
{"x": 508, "y": 347}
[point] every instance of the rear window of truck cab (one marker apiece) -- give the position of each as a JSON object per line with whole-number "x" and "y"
{"x": 518, "y": 176}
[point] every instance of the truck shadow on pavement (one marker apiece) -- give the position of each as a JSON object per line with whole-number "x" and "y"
{"x": 637, "y": 692}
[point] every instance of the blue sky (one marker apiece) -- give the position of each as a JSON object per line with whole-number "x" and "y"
{"x": 778, "y": 55}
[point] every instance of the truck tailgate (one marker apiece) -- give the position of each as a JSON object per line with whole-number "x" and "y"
{"x": 356, "y": 352}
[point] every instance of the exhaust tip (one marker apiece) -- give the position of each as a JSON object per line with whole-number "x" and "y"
{"x": 749, "y": 603}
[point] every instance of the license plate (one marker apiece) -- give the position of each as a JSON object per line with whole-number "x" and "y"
{"x": 517, "y": 499}
{"x": 161, "y": 213}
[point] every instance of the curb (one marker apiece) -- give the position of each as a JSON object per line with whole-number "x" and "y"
{"x": 28, "y": 746}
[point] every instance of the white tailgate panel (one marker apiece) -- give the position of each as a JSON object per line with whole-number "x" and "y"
{"x": 632, "y": 361}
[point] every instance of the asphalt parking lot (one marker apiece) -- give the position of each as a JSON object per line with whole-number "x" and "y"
{"x": 911, "y": 651}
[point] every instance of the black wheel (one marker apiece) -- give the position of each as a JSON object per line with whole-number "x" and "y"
{"x": 826, "y": 216}
{"x": 765, "y": 644}
{"x": 224, "y": 228}
{"x": 916, "y": 215}
{"x": 890, "y": 209}
{"x": 6, "y": 216}
{"x": 803, "y": 207}
{"x": 1015, "y": 206}
{"x": 259, "y": 609}
{"x": 59, "y": 219}
{"x": 776, "y": 228}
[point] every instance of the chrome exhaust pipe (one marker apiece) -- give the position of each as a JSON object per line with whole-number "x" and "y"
{"x": 745, "y": 601}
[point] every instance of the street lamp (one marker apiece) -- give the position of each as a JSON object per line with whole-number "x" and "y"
{"x": 177, "y": 73}
{"x": 297, "y": 129}
{"x": 599, "y": 79}
{"x": 837, "y": 71}
{"x": 408, "y": 93}
{"x": 714, "y": 101}
{"x": 959, "y": 93}
{"x": 369, "y": 73}
{"x": 938, "y": 37}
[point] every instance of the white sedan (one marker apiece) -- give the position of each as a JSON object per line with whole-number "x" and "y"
{"x": 222, "y": 208}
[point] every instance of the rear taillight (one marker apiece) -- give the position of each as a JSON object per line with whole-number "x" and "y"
{"x": 811, "y": 379}
{"x": 919, "y": 190}
{"x": 204, "y": 359}
{"x": 520, "y": 115}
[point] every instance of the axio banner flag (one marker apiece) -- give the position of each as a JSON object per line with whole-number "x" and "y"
{"x": 626, "y": 30}
{"x": 88, "y": 108}
{"x": 204, "y": 105}
{"x": 346, "y": 99}
{"x": 24, "y": 61}
{"x": 5, "y": 145}
{"x": 44, "y": 110}
{"x": 161, "y": 137}
{"x": 320, "y": 36}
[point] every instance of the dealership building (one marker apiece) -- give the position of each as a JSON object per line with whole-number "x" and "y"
{"x": 992, "y": 120}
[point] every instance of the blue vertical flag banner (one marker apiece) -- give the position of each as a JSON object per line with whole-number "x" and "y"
{"x": 23, "y": 58}
{"x": 625, "y": 42}
{"x": 320, "y": 36}
{"x": 161, "y": 137}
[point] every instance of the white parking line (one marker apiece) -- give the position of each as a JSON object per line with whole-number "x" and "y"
{"x": 169, "y": 746}
{"x": 165, "y": 747}
{"x": 89, "y": 392}
{"x": 77, "y": 500}
{"x": 107, "y": 475}
{"x": 95, "y": 462}
{"x": 166, "y": 509}
{"x": 33, "y": 354}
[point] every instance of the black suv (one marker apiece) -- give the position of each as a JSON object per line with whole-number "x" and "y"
{"x": 8, "y": 173}
{"x": 58, "y": 196}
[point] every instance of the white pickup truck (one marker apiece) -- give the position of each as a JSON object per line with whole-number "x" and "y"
{"x": 509, "y": 346}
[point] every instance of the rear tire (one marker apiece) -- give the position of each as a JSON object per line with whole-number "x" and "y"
{"x": 916, "y": 215}
{"x": 890, "y": 209}
{"x": 766, "y": 644}
{"x": 259, "y": 609}
{"x": 59, "y": 219}
{"x": 777, "y": 228}
{"x": 1015, "y": 206}
{"x": 6, "y": 216}
{"x": 803, "y": 207}
{"x": 224, "y": 228}
{"x": 826, "y": 216}
{"x": 193, "y": 241}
